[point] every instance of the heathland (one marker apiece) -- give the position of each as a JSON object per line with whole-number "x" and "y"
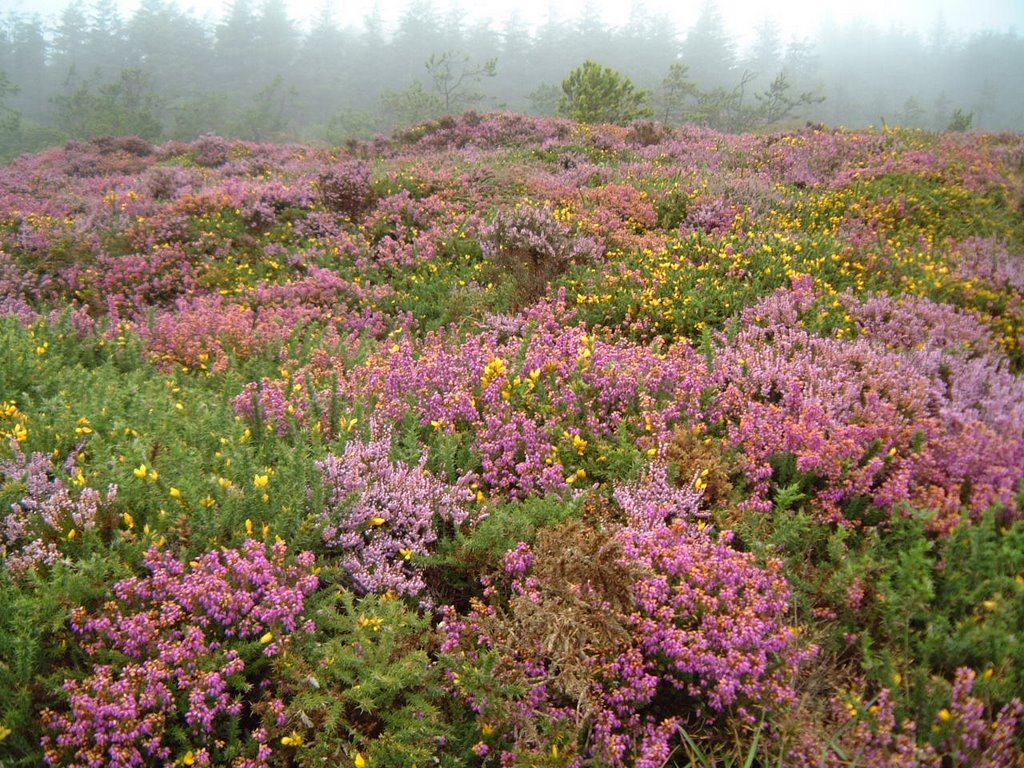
{"x": 518, "y": 442}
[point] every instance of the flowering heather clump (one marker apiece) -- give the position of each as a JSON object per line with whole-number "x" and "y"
{"x": 137, "y": 281}
{"x": 991, "y": 259}
{"x": 41, "y": 526}
{"x": 655, "y": 501}
{"x": 163, "y": 182}
{"x": 205, "y": 333}
{"x": 106, "y": 155}
{"x": 347, "y": 188}
{"x": 183, "y": 638}
{"x": 632, "y": 630}
{"x": 900, "y": 414}
{"x": 713, "y": 215}
{"x": 382, "y": 514}
{"x": 404, "y": 231}
{"x": 970, "y": 738}
{"x": 538, "y": 406}
{"x": 19, "y": 289}
{"x": 211, "y": 151}
{"x": 261, "y": 203}
{"x": 536, "y": 247}
{"x": 491, "y": 130}
{"x": 613, "y": 211}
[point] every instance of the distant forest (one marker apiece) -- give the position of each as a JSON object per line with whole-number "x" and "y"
{"x": 257, "y": 74}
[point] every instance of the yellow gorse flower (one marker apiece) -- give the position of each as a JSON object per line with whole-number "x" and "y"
{"x": 495, "y": 368}
{"x": 260, "y": 481}
{"x": 373, "y": 622}
{"x": 293, "y": 739}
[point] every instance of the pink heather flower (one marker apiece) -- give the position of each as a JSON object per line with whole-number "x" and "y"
{"x": 381, "y": 514}
{"x": 175, "y": 628}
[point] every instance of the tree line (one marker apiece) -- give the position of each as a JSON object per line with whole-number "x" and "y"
{"x": 164, "y": 73}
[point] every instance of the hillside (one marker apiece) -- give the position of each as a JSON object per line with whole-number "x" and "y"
{"x": 514, "y": 441}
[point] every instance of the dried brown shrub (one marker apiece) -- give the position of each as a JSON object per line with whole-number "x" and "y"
{"x": 695, "y": 453}
{"x": 576, "y": 616}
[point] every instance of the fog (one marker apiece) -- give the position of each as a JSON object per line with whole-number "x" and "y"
{"x": 270, "y": 70}
{"x": 795, "y": 18}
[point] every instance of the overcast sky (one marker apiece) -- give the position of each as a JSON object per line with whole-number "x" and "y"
{"x": 797, "y": 18}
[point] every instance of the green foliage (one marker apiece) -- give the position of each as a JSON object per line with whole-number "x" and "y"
{"x": 903, "y": 605}
{"x": 593, "y": 93}
{"x": 125, "y": 106}
{"x": 10, "y": 119}
{"x": 368, "y": 685}
{"x": 729, "y": 109}
{"x": 200, "y": 461}
{"x": 778, "y": 104}
{"x": 413, "y": 105}
{"x": 198, "y": 114}
{"x": 677, "y": 93}
{"x": 270, "y": 112}
{"x": 348, "y": 125}
{"x": 700, "y": 759}
{"x": 977, "y": 611}
{"x": 37, "y": 648}
{"x": 480, "y": 551}
{"x": 544, "y": 99}
{"x": 960, "y": 121}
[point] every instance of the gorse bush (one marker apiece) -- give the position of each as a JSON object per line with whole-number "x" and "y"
{"x": 369, "y": 687}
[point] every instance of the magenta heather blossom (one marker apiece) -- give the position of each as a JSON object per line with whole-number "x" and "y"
{"x": 919, "y": 408}
{"x": 382, "y": 515}
{"x": 181, "y": 634}
{"x": 654, "y": 500}
{"x": 533, "y": 233}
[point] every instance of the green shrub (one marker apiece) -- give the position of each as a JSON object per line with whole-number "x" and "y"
{"x": 597, "y": 94}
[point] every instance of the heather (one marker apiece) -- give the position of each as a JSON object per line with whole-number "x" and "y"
{"x": 514, "y": 441}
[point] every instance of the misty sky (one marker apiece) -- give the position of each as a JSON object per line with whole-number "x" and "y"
{"x": 797, "y": 18}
